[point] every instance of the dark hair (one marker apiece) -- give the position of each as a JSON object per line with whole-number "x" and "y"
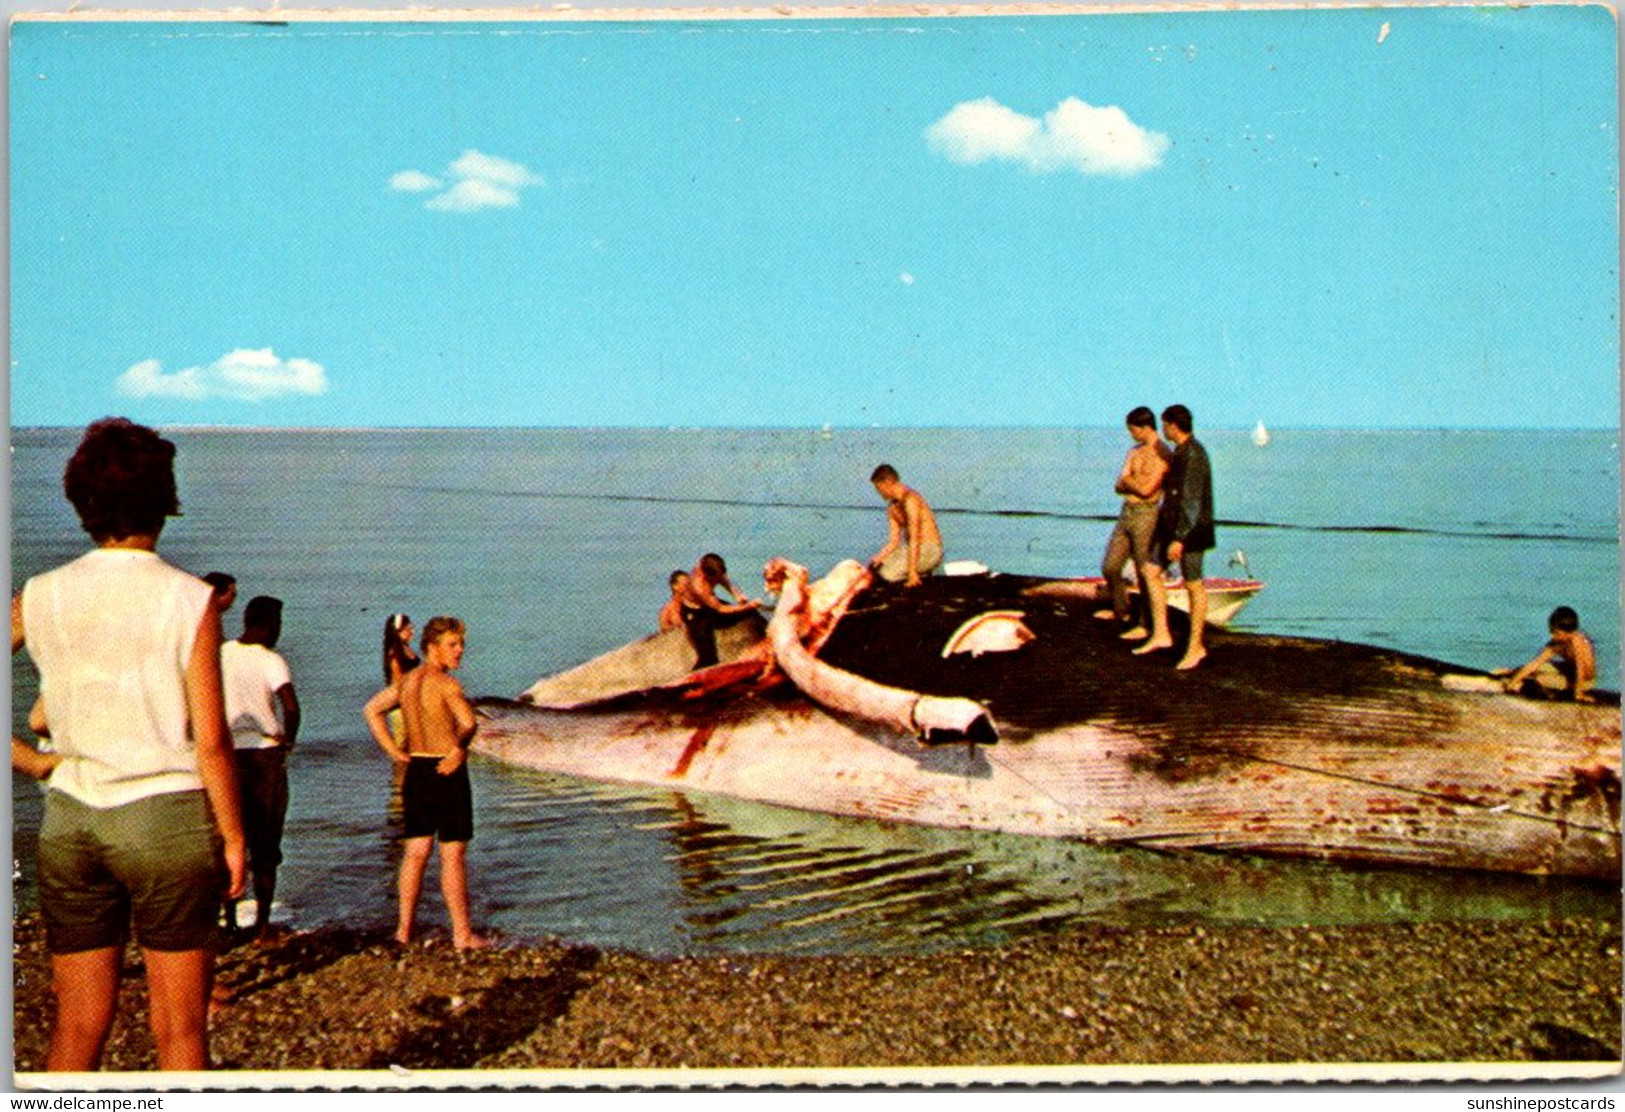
{"x": 1179, "y": 417}
{"x": 121, "y": 480}
{"x": 396, "y": 649}
{"x": 263, "y": 611}
{"x": 675, "y": 576}
{"x": 1563, "y": 620}
{"x": 263, "y": 616}
{"x": 436, "y": 628}
{"x": 220, "y": 581}
{"x": 884, "y": 473}
{"x": 1141, "y": 417}
{"x": 713, "y": 566}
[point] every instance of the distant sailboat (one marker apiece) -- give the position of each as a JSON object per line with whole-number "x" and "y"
{"x": 1261, "y": 435}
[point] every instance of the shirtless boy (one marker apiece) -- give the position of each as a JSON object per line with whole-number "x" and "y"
{"x": 1140, "y": 485}
{"x": 671, "y": 615}
{"x": 913, "y": 546}
{"x": 1570, "y": 650}
{"x": 438, "y": 724}
{"x": 703, "y": 613}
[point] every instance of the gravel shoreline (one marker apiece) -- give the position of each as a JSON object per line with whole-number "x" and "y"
{"x": 1428, "y": 992}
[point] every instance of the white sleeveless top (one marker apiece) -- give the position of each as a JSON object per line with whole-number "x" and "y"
{"x": 112, "y": 634}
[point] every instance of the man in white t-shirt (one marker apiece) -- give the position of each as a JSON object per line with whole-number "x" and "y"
{"x": 257, "y": 684}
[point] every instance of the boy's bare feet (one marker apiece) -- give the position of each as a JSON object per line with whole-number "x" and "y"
{"x": 472, "y": 942}
{"x": 1156, "y": 644}
{"x": 1138, "y": 633}
{"x": 1191, "y": 660}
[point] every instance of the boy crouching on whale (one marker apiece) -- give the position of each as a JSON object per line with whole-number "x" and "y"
{"x": 1569, "y": 651}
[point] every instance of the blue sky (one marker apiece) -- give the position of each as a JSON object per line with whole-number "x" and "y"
{"x": 1299, "y": 216}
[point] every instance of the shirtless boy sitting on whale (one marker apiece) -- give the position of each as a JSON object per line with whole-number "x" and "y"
{"x": 439, "y": 725}
{"x": 1569, "y": 653}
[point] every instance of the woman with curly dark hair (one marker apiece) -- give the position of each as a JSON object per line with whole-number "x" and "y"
{"x": 142, "y": 810}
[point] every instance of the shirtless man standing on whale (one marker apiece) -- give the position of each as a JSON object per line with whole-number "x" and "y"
{"x": 1140, "y": 486}
{"x": 438, "y": 726}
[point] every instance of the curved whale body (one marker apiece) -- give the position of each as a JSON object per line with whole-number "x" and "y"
{"x": 1275, "y": 745}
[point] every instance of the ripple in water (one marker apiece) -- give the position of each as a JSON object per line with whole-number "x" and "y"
{"x": 669, "y": 872}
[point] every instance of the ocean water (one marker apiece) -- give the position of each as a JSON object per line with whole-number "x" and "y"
{"x": 554, "y": 545}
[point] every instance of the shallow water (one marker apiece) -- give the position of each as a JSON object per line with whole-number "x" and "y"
{"x": 555, "y": 544}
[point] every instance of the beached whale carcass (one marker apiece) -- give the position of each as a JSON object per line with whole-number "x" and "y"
{"x": 1276, "y": 745}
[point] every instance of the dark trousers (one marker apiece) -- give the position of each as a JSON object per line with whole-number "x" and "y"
{"x": 701, "y": 624}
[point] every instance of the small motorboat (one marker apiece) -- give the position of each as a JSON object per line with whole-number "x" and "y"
{"x": 1225, "y": 597}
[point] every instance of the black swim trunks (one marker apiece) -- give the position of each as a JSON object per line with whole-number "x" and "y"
{"x": 437, "y": 806}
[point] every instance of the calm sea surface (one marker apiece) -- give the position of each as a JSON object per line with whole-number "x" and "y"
{"x": 554, "y": 545}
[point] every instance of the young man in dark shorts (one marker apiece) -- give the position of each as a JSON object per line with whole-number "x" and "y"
{"x": 1184, "y": 531}
{"x": 438, "y": 725}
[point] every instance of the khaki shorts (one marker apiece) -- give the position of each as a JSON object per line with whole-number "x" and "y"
{"x": 894, "y": 568}
{"x": 156, "y": 860}
{"x": 1135, "y": 532}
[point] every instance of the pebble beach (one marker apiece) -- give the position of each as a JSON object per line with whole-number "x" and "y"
{"x": 331, "y": 999}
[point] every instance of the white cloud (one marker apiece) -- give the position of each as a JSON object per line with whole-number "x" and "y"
{"x": 247, "y": 374}
{"x": 1071, "y": 136}
{"x": 474, "y": 166}
{"x": 147, "y": 380}
{"x": 414, "y": 181}
{"x": 977, "y": 130}
{"x": 478, "y": 181}
{"x": 906, "y": 278}
{"x": 471, "y": 196}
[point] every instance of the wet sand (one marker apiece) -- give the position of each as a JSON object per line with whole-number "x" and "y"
{"x": 1414, "y": 993}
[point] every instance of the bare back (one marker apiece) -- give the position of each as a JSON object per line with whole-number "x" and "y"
{"x": 434, "y": 711}
{"x": 915, "y": 517}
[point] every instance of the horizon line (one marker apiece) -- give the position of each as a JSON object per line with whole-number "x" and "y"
{"x": 811, "y": 428}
